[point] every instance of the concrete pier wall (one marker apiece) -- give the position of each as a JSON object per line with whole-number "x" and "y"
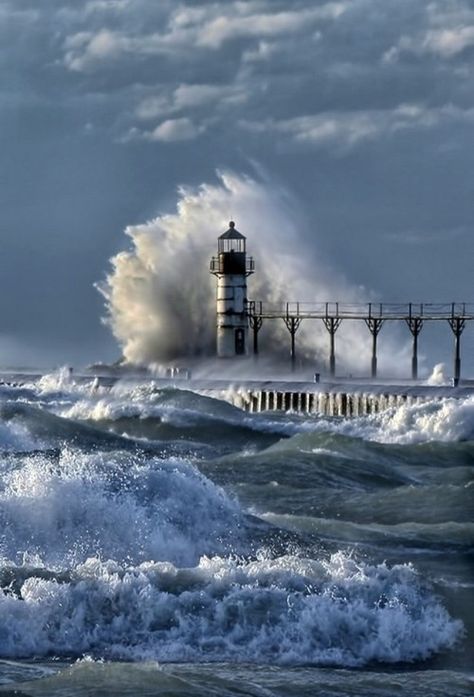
{"x": 324, "y": 403}
{"x": 327, "y": 399}
{"x": 346, "y": 399}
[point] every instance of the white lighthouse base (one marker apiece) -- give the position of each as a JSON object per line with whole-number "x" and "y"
{"x": 232, "y": 341}
{"x": 232, "y": 320}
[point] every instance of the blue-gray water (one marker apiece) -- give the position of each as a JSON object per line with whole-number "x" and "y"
{"x": 158, "y": 542}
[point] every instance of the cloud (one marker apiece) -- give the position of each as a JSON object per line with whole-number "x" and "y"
{"x": 446, "y": 30}
{"x": 264, "y": 52}
{"x": 190, "y": 29}
{"x": 198, "y": 95}
{"x": 151, "y": 107}
{"x": 106, "y": 6}
{"x": 190, "y": 97}
{"x": 279, "y": 67}
{"x": 84, "y": 50}
{"x": 449, "y": 42}
{"x": 11, "y": 13}
{"x": 347, "y": 129}
{"x": 444, "y": 43}
{"x": 288, "y": 64}
{"x": 174, "y": 130}
{"x": 216, "y": 31}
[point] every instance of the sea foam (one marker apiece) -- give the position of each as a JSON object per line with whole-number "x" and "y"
{"x": 286, "y": 610}
{"x": 118, "y": 505}
{"x": 440, "y": 420}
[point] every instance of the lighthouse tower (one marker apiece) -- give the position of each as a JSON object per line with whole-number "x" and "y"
{"x": 231, "y": 267}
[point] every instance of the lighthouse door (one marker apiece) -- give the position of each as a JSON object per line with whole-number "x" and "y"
{"x": 239, "y": 342}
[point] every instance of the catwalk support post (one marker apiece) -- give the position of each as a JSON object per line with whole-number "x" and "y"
{"x": 374, "y": 325}
{"x": 292, "y": 324}
{"x": 332, "y": 325}
{"x": 255, "y": 325}
{"x": 457, "y": 325}
{"x": 415, "y": 325}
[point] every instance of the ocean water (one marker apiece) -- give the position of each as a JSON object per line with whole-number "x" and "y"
{"x": 159, "y": 542}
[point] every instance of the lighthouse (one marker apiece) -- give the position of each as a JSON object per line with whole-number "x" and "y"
{"x": 231, "y": 267}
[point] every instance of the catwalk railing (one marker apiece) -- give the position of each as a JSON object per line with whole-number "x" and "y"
{"x": 374, "y": 315}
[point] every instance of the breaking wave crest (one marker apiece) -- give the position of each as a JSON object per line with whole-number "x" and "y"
{"x": 440, "y": 420}
{"x": 59, "y": 510}
{"x": 288, "y": 611}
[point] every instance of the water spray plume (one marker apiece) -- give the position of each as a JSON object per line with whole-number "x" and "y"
{"x": 160, "y": 296}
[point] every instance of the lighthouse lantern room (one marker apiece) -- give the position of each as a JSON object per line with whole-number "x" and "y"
{"x": 231, "y": 267}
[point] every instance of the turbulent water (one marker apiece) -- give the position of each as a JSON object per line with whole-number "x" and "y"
{"x": 159, "y": 542}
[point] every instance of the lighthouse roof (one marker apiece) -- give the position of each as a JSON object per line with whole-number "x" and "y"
{"x": 232, "y": 233}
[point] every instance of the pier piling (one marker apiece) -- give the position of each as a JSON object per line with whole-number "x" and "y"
{"x": 415, "y": 325}
{"x": 292, "y": 324}
{"x": 332, "y": 324}
{"x": 255, "y": 324}
{"x": 457, "y": 325}
{"x": 374, "y": 325}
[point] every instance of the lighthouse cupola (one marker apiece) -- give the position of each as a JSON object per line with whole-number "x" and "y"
{"x": 231, "y": 267}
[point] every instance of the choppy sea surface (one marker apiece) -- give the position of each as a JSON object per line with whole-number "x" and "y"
{"x": 159, "y": 542}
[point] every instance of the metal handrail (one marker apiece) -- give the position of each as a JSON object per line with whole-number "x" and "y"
{"x": 369, "y": 310}
{"x": 216, "y": 265}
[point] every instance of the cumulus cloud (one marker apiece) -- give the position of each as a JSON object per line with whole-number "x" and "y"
{"x": 347, "y": 129}
{"x": 264, "y": 51}
{"x": 275, "y": 66}
{"x": 215, "y": 31}
{"x": 441, "y": 42}
{"x": 173, "y": 130}
{"x": 84, "y": 50}
{"x": 207, "y": 28}
{"x": 198, "y": 95}
{"x": 190, "y": 97}
{"x": 446, "y": 31}
{"x": 449, "y": 42}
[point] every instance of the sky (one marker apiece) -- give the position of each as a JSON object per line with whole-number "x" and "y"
{"x": 360, "y": 112}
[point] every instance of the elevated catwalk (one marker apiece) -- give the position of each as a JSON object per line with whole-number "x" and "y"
{"x": 374, "y": 315}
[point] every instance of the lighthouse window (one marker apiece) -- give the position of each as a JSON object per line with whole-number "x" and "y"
{"x": 231, "y": 245}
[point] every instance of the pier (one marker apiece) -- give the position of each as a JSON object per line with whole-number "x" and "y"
{"x": 329, "y": 398}
{"x": 343, "y": 399}
{"x": 374, "y": 315}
